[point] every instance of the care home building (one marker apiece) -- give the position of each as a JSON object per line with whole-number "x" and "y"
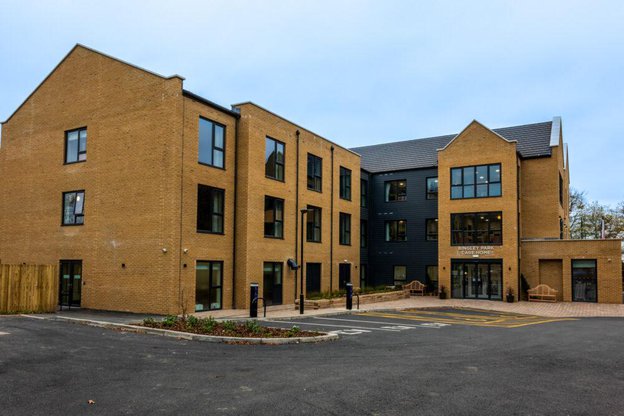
{"x": 151, "y": 198}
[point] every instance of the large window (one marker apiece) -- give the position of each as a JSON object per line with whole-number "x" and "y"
{"x": 396, "y": 230}
{"x": 432, "y": 188}
{"x": 315, "y": 173}
{"x": 476, "y": 181}
{"x": 431, "y": 226}
{"x": 363, "y": 193}
{"x": 363, "y": 233}
{"x": 210, "y": 203}
{"x": 396, "y": 191}
{"x": 73, "y": 208}
{"x": 313, "y": 224}
{"x": 274, "y": 159}
{"x": 485, "y": 228}
{"x": 584, "y": 281}
{"x": 432, "y": 279}
{"x": 345, "y": 229}
{"x": 400, "y": 275}
{"x": 273, "y": 217}
{"x": 208, "y": 285}
{"x": 211, "y": 143}
{"x": 345, "y": 183}
{"x": 272, "y": 283}
{"x": 76, "y": 145}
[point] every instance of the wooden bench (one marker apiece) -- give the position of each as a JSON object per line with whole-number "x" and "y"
{"x": 542, "y": 293}
{"x": 415, "y": 287}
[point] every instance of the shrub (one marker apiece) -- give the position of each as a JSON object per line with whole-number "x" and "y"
{"x": 253, "y": 326}
{"x": 149, "y": 322}
{"x": 294, "y": 331}
{"x": 170, "y": 320}
{"x": 192, "y": 321}
{"x": 208, "y": 324}
{"x": 229, "y": 325}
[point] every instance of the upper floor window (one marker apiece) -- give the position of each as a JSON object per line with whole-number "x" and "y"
{"x": 210, "y": 202}
{"x": 431, "y": 226}
{"x": 73, "y": 208}
{"x": 211, "y": 143}
{"x": 363, "y": 193}
{"x": 345, "y": 183}
{"x": 396, "y": 230}
{"x": 476, "y": 181}
{"x": 482, "y": 228}
{"x": 313, "y": 224}
{"x": 396, "y": 190}
{"x": 76, "y": 145}
{"x": 560, "y": 190}
{"x": 363, "y": 233}
{"x": 345, "y": 229}
{"x": 273, "y": 217}
{"x": 315, "y": 173}
{"x": 274, "y": 159}
{"x": 432, "y": 188}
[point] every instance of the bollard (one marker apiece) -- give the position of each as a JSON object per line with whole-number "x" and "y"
{"x": 349, "y": 296}
{"x": 253, "y": 300}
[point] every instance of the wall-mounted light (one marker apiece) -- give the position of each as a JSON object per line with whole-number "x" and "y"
{"x": 186, "y": 250}
{"x": 164, "y": 250}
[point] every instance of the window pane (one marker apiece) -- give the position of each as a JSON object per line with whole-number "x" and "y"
{"x": 456, "y": 176}
{"x": 219, "y": 137}
{"x": 279, "y": 172}
{"x": 71, "y": 154}
{"x": 482, "y": 174}
{"x": 278, "y": 274}
{"x": 69, "y": 206}
{"x": 495, "y": 189}
{"x": 482, "y": 191}
{"x": 217, "y": 223}
{"x": 79, "y": 203}
{"x": 469, "y": 191}
{"x": 205, "y": 141}
{"x": 79, "y": 219}
{"x": 469, "y": 175}
{"x": 217, "y": 201}
{"x": 280, "y": 153}
{"x": 218, "y": 158}
{"x": 494, "y": 173}
{"x": 83, "y": 141}
{"x": 456, "y": 192}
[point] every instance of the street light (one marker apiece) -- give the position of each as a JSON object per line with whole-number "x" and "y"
{"x": 301, "y": 307}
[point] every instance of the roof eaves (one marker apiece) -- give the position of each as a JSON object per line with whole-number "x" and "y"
{"x": 212, "y": 104}
{"x": 482, "y": 125}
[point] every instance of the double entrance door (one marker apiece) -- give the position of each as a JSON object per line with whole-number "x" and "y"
{"x": 477, "y": 279}
{"x": 71, "y": 283}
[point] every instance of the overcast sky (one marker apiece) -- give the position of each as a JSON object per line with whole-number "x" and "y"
{"x": 361, "y": 72}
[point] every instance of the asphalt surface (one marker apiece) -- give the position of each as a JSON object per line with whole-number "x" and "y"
{"x": 382, "y": 365}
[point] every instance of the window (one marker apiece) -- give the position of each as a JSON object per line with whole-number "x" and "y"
{"x": 363, "y": 233}
{"x": 476, "y": 181}
{"x": 431, "y": 226}
{"x": 432, "y": 278}
{"x": 345, "y": 229}
{"x": 272, "y": 283}
{"x": 313, "y": 224}
{"x": 363, "y": 193}
{"x": 363, "y": 275}
{"x": 273, "y": 217}
{"x": 211, "y": 143}
{"x": 208, "y": 285}
{"x": 584, "y": 281}
{"x": 560, "y": 228}
{"x": 396, "y": 191}
{"x": 315, "y": 173}
{"x": 274, "y": 159}
{"x": 73, "y": 208}
{"x": 396, "y": 230}
{"x": 477, "y": 229}
{"x": 400, "y": 275}
{"x": 210, "y": 209}
{"x": 432, "y": 188}
{"x": 560, "y": 190}
{"x": 76, "y": 145}
{"x": 345, "y": 183}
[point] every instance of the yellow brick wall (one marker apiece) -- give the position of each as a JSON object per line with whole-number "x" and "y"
{"x": 606, "y": 252}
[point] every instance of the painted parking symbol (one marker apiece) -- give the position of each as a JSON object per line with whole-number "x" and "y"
{"x": 350, "y": 331}
{"x": 398, "y": 327}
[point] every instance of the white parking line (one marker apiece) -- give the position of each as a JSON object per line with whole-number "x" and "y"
{"x": 398, "y": 324}
{"x": 4, "y": 333}
{"x": 337, "y": 326}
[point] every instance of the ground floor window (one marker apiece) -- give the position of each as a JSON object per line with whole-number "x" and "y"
{"x": 477, "y": 279}
{"x": 272, "y": 290}
{"x": 584, "y": 281}
{"x": 400, "y": 275}
{"x": 313, "y": 278}
{"x": 344, "y": 275}
{"x": 432, "y": 279}
{"x": 208, "y": 285}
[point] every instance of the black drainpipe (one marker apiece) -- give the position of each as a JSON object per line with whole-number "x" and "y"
{"x": 234, "y": 260}
{"x": 331, "y": 225}
{"x": 297, "y": 215}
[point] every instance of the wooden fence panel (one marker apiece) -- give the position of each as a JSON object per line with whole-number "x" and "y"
{"x": 28, "y": 288}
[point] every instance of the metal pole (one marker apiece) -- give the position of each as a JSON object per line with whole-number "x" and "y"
{"x": 301, "y": 307}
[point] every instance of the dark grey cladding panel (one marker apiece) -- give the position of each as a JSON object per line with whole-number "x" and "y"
{"x": 533, "y": 141}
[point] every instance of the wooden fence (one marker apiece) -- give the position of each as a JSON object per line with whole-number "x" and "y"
{"x": 28, "y": 288}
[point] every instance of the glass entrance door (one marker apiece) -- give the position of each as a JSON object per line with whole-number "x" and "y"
{"x": 584, "y": 281}
{"x": 70, "y": 291}
{"x": 477, "y": 279}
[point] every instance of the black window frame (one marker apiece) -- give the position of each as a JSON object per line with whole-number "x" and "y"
{"x": 560, "y": 189}
{"x": 475, "y": 231}
{"x": 275, "y": 201}
{"x": 210, "y": 264}
{"x": 363, "y": 233}
{"x": 428, "y": 194}
{"x": 344, "y": 226}
{"x": 213, "y": 147}
{"x": 388, "y": 228}
{"x": 312, "y": 225}
{"x": 363, "y": 193}
{"x": 345, "y": 183}
{"x": 210, "y": 212}
{"x": 78, "y": 151}
{"x": 315, "y": 173}
{"x": 276, "y": 162}
{"x": 399, "y": 197}
{"x": 394, "y": 269}
{"x": 75, "y": 214}
{"x": 429, "y": 235}
{"x": 475, "y": 182}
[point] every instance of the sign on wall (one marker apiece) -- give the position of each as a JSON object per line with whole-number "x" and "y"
{"x": 475, "y": 251}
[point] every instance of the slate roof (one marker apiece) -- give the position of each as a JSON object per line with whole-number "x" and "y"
{"x": 533, "y": 141}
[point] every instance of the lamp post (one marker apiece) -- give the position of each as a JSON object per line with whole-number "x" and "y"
{"x": 301, "y": 307}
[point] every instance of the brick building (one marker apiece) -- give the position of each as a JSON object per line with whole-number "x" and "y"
{"x": 154, "y": 199}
